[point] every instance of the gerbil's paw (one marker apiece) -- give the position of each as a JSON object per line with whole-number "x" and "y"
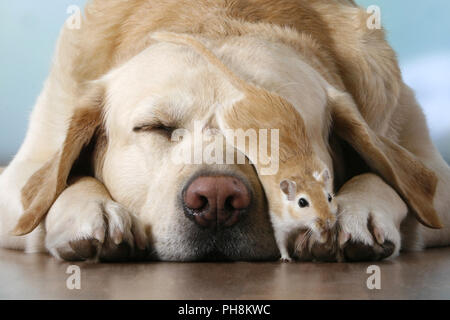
{"x": 309, "y": 248}
{"x": 96, "y": 230}
{"x": 365, "y": 234}
{"x": 285, "y": 259}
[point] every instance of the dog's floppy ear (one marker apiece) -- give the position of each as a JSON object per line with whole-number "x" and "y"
{"x": 415, "y": 183}
{"x": 45, "y": 185}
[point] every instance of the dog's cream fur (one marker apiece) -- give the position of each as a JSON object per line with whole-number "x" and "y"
{"x": 293, "y": 48}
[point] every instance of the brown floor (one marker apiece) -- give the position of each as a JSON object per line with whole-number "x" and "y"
{"x": 423, "y": 275}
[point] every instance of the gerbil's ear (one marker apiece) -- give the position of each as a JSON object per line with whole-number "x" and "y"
{"x": 289, "y": 188}
{"x": 414, "y": 182}
{"x": 324, "y": 176}
{"x": 45, "y": 185}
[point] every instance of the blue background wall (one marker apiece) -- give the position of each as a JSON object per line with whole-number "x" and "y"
{"x": 418, "y": 30}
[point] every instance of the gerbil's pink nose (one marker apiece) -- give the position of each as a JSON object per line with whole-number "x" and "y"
{"x": 216, "y": 201}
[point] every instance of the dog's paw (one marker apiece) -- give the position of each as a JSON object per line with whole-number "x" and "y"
{"x": 366, "y": 234}
{"x": 95, "y": 230}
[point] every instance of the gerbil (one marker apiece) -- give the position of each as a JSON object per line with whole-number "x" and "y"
{"x": 307, "y": 203}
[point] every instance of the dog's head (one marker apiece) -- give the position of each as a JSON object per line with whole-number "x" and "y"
{"x": 155, "y": 111}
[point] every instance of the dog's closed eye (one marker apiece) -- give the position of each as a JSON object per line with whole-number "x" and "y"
{"x": 159, "y": 128}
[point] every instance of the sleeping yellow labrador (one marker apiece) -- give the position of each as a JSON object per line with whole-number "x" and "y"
{"x": 95, "y": 178}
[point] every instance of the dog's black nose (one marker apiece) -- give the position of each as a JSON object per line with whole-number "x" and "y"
{"x": 213, "y": 201}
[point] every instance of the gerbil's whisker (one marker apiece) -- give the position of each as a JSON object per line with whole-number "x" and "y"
{"x": 305, "y": 239}
{"x": 341, "y": 213}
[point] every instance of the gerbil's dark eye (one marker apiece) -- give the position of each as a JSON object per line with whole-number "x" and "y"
{"x": 303, "y": 203}
{"x": 330, "y": 197}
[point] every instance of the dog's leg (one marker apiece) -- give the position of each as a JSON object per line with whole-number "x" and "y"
{"x": 46, "y": 132}
{"x": 414, "y": 136}
{"x": 86, "y": 224}
{"x": 370, "y": 214}
{"x": 12, "y": 180}
{"x": 41, "y": 144}
{"x": 361, "y": 224}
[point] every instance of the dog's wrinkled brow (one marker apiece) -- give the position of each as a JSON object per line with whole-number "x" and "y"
{"x": 153, "y": 111}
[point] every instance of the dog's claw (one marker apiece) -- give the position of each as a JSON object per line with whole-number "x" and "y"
{"x": 117, "y": 236}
